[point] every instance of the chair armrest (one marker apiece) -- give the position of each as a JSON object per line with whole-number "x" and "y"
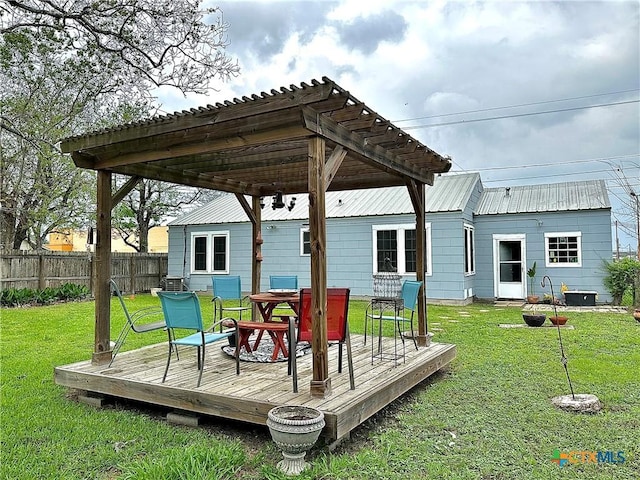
{"x": 146, "y": 312}
{"x": 229, "y": 324}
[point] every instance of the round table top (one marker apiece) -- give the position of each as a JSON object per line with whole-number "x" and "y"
{"x": 272, "y": 297}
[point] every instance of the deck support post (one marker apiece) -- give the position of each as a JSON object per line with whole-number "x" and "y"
{"x": 418, "y": 198}
{"x": 102, "y": 293}
{"x": 321, "y": 383}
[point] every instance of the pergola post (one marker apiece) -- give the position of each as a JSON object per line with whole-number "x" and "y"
{"x": 102, "y": 347}
{"x": 320, "y": 383}
{"x": 418, "y": 198}
{"x": 254, "y": 212}
{"x": 256, "y": 270}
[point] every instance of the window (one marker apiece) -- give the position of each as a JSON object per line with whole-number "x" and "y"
{"x": 563, "y": 249}
{"x": 469, "y": 250}
{"x": 397, "y": 245}
{"x": 210, "y": 252}
{"x": 305, "y": 242}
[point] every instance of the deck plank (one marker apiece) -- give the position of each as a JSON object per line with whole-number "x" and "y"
{"x": 137, "y": 375}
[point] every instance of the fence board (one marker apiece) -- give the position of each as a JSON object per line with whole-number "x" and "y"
{"x": 134, "y": 272}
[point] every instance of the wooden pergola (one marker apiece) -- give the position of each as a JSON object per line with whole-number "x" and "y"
{"x": 311, "y": 138}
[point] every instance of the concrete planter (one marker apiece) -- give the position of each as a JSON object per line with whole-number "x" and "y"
{"x": 294, "y": 429}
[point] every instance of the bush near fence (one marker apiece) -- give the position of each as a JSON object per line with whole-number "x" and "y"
{"x": 134, "y": 272}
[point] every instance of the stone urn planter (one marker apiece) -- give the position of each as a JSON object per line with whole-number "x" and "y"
{"x": 534, "y": 319}
{"x": 294, "y": 429}
{"x": 559, "y": 320}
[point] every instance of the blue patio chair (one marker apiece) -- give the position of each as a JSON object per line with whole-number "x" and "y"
{"x": 289, "y": 282}
{"x": 409, "y": 295}
{"x": 227, "y": 296}
{"x": 182, "y": 311}
{"x": 134, "y": 321}
{"x": 286, "y": 282}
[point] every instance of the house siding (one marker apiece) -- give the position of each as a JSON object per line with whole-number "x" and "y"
{"x": 594, "y": 225}
{"x": 455, "y": 202}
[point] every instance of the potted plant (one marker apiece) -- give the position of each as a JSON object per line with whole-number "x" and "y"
{"x": 534, "y": 319}
{"x": 294, "y": 429}
{"x": 558, "y": 320}
{"x": 531, "y": 273}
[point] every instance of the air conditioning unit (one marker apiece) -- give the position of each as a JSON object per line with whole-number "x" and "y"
{"x": 173, "y": 284}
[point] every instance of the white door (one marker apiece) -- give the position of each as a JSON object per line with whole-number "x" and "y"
{"x": 509, "y": 261}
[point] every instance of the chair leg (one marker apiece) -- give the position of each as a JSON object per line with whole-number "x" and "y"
{"x": 200, "y": 363}
{"x": 340, "y": 357}
{"x": 413, "y": 334}
{"x": 293, "y": 361}
{"x": 164, "y": 377}
{"x": 350, "y": 360}
{"x": 237, "y": 355}
{"x": 366, "y": 318}
{"x": 120, "y": 341}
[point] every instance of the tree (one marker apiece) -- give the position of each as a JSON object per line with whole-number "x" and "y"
{"x": 148, "y": 204}
{"x": 72, "y": 67}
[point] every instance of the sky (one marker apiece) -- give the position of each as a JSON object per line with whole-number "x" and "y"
{"x": 522, "y": 92}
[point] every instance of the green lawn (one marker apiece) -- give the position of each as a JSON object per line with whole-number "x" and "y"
{"x": 488, "y": 416}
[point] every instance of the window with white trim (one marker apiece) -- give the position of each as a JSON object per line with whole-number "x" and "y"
{"x": 210, "y": 252}
{"x": 563, "y": 249}
{"x": 397, "y": 245}
{"x": 305, "y": 242}
{"x": 469, "y": 250}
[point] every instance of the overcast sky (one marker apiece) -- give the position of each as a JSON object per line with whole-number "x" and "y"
{"x": 420, "y": 63}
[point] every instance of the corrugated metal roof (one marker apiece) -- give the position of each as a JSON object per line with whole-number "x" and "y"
{"x": 449, "y": 193}
{"x": 554, "y": 197}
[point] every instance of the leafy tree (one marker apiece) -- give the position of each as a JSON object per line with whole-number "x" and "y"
{"x": 621, "y": 276}
{"x": 72, "y": 67}
{"x": 148, "y": 204}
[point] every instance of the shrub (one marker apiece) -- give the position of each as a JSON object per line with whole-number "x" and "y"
{"x": 620, "y": 277}
{"x": 14, "y": 297}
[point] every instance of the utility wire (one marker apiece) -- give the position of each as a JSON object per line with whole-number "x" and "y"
{"x": 515, "y": 115}
{"x": 517, "y": 106}
{"x": 568, "y": 162}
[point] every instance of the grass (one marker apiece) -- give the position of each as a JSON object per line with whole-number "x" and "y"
{"x": 488, "y": 416}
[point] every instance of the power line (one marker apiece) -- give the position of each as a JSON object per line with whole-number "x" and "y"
{"x": 568, "y": 162}
{"x": 501, "y": 117}
{"x": 489, "y": 109}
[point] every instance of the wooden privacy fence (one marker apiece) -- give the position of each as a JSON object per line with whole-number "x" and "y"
{"x": 134, "y": 272}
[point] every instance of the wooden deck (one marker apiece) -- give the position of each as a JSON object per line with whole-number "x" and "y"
{"x": 137, "y": 375}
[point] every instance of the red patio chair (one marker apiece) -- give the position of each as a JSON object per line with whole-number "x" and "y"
{"x": 337, "y": 327}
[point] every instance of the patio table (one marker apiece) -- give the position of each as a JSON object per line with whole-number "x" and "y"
{"x": 266, "y": 303}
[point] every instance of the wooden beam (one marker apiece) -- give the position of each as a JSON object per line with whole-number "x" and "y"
{"x": 333, "y": 164}
{"x": 188, "y": 178}
{"x": 178, "y": 122}
{"x": 335, "y": 132}
{"x": 124, "y": 190}
{"x": 247, "y": 208}
{"x": 417, "y": 195}
{"x": 239, "y": 139}
{"x": 320, "y": 383}
{"x": 102, "y": 340}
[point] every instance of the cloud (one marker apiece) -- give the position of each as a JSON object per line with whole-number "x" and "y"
{"x": 413, "y": 59}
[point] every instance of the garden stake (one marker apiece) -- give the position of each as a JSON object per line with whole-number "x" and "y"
{"x": 562, "y": 355}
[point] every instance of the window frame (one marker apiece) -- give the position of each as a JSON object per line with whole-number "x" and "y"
{"x": 469, "y": 244}
{"x": 304, "y": 229}
{"x": 556, "y": 235}
{"x": 401, "y": 253}
{"x": 209, "y": 261}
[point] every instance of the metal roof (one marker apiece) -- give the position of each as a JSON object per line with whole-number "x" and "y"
{"x": 448, "y": 193}
{"x": 553, "y": 197}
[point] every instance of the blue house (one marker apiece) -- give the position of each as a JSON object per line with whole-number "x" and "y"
{"x": 480, "y": 241}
